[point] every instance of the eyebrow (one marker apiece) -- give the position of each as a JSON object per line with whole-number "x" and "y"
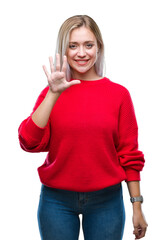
{"x": 90, "y": 41}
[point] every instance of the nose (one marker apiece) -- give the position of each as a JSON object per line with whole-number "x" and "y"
{"x": 81, "y": 52}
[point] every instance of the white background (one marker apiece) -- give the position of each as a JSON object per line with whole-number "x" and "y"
{"x": 134, "y": 33}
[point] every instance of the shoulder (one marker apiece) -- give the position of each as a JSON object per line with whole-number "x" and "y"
{"x": 118, "y": 88}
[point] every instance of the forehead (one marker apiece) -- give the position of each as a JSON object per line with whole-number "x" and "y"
{"x": 81, "y": 34}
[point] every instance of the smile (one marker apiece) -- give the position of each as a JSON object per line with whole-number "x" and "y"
{"x": 82, "y": 62}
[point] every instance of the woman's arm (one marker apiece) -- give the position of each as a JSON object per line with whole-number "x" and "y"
{"x": 42, "y": 113}
{"x": 57, "y": 84}
{"x": 139, "y": 222}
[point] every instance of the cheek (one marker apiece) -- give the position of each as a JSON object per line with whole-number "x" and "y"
{"x": 93, "y": 53}
{"x": 70, "y": 55}
{"x": 93, "y": 56}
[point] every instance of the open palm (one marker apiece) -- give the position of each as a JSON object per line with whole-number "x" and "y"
{"x": 57, "y": 78}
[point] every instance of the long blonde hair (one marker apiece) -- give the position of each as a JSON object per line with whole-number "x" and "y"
{"x": 63, "y": 40}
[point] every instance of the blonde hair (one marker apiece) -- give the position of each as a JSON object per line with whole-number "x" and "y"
{"x": 63, "y": 40}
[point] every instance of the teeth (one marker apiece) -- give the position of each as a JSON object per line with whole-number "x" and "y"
{"x": 82, "y": 62}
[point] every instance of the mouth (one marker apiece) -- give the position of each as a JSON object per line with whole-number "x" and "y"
{"x": 82, "y": 62}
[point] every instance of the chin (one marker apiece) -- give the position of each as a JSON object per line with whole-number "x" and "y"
{"x": 79, "y": 70}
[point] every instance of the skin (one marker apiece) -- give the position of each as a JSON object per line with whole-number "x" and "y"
{"x": 139, "y": 223}
{"x": 81, "y": 56}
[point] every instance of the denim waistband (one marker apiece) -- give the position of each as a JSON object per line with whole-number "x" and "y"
{"x": 101, "y": 191}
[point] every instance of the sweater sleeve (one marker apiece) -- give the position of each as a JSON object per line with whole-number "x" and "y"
{"x": 32, "y": 138}
{"x": 131, "y": 159}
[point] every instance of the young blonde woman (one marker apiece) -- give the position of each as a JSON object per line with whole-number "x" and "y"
{"x": 87, "y": 125}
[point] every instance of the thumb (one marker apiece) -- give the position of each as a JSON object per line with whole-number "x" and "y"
{"x": 136, "y": 232}
{"x": 74, "y": 82}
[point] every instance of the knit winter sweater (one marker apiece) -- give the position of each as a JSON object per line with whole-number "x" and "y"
{"x": 91, "y": 138}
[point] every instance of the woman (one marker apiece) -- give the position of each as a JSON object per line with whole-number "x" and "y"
{"x": 87, "y": 124}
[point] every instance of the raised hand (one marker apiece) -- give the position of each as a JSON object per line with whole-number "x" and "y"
{"x": 57, "y": 78}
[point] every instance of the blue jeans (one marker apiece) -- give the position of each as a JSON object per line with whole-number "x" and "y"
{"x": 103, "y": 214}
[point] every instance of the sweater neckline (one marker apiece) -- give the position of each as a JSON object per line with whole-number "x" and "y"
{"x": 102, "y": 80}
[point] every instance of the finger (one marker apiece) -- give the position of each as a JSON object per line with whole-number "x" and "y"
{"x": 74, "y": 82}
{"x": 136, "y": 232}
{"x": 142, "y": 232}
{"x": 64, "y": 66}
{"x": 46, "y": 72}
{"x": 51, "y": 64}
{"x": 58, "y": 62}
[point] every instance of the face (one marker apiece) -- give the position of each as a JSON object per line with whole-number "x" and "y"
{"x": 82, "y": 52}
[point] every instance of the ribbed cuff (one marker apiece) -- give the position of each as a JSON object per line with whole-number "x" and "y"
{"x": 132, "y": 175}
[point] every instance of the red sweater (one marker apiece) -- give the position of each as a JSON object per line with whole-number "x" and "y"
{"x": 91, "y": 138}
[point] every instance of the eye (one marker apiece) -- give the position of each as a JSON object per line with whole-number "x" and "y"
{"x": 89, "y": 45}
{"x": 72, "y": 46}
